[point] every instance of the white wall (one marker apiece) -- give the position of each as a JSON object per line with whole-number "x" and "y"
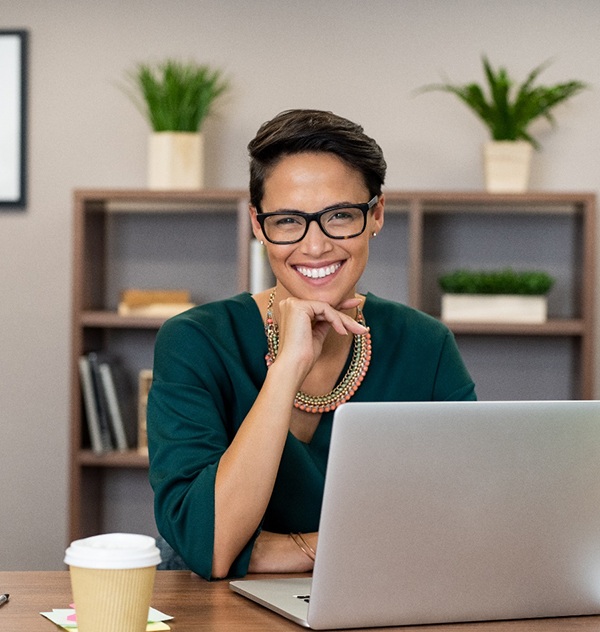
{"x": 361, "y": 59}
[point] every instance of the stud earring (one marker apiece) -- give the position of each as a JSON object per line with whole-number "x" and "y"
{"x": 262, "y": 243}
{"x": 374, "y": 234}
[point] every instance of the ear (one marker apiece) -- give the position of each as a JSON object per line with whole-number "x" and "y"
{"x": 376, "y": 222}
{"x": 255, "y": 225}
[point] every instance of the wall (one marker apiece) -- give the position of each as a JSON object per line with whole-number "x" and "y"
{"x": 360, "y": 59}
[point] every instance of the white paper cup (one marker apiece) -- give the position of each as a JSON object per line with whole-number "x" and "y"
{"x": 112, "y": 577}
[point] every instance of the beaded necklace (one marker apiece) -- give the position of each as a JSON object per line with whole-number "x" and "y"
{"x": 345, "y": 389}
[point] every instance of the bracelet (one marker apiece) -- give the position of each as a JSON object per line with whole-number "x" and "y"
{"x": 308, "y": 546}
{"x": 303, "y": 545}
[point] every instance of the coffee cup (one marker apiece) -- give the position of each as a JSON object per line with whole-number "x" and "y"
{"x": 112, "y": 578}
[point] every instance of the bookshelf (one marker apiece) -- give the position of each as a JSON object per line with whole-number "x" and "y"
{"x": 201, "y": 241}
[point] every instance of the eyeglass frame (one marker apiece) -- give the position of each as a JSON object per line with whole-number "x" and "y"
{"x": 365, "y": 207}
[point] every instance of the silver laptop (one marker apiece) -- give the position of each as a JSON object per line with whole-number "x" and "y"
{"x": 452, "y": 511}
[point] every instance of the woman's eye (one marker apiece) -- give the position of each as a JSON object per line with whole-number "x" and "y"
{"x": 341, "y": 215}
{"x": 287, "y": 220}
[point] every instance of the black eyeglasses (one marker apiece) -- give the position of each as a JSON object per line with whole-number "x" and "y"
{"x": 342, "y": 221}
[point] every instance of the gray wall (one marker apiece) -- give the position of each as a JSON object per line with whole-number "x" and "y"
{"x": 361, "y": 59}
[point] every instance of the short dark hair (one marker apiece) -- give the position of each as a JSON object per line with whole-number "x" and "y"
{"x": 299, "y": 131}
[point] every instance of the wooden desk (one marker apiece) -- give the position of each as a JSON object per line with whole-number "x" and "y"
{"x": 198, "y": 605}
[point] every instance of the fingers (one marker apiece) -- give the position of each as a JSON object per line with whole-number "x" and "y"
{"x": 349, "y": 303}
{"x": 345, "y": 324}
{"x": 340, "y": 322}
{"x": 353, "y": 326}
{"x": 304, "y": 326}
{"x": 318, "y": 311}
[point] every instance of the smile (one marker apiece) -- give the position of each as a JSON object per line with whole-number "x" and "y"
{"x": 318, "y": 273}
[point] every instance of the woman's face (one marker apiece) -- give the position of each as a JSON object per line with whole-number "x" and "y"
{"x": 317, "y": 267}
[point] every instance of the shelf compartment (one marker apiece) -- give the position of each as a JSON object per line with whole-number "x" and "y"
{"x": 129, "y": 459}
{"x": 553, "y": 327}
{"x": 113, "y": 320}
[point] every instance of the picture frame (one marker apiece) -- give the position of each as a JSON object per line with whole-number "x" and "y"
{"x": 13, "y": 118}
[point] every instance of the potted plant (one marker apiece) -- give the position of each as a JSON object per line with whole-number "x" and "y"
{"x": 176, "y": 98}
{"x": 495, "y": 296}
{"x": 508, "y": 111}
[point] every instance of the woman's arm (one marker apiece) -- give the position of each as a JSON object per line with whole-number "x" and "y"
{"x": 283, "y": 553}
{"x": 247, "y": 470}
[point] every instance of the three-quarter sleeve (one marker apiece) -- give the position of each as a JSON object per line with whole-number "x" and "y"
{"x": 194, "y": 410}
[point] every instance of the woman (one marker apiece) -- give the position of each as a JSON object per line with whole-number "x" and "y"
{"x": 241, "y": 407}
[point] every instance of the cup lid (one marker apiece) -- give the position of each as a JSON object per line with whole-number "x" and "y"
{"x": 113, "y": 551}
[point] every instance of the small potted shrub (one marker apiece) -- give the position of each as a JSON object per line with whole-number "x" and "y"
{"x": 495, "y": 296}
{"x": 508, "y": 110}
{"x": 176, "y": 98}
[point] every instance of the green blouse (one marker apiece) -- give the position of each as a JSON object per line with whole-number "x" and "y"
{"x": 208, "y": 369}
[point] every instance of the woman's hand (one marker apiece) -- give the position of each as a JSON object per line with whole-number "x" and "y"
{"x": 278, "y": 553}
{"x": 303, "y": 327}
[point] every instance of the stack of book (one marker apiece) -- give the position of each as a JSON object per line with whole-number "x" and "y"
{"x": 154, "y": 303}
{"x": 109, "y": 404}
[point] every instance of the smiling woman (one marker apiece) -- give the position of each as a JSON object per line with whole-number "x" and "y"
{"x": 317, "y": 255}
{"x": 241, "y": 407}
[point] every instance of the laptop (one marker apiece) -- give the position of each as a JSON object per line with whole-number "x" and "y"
{"x": 438, "y": 512}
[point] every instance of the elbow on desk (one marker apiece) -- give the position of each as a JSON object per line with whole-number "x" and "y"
{"x": 221, "y": 564}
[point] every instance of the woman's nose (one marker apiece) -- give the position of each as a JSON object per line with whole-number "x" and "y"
{"x": 315, "y": 241}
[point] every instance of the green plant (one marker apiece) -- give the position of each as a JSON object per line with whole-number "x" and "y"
{"x": 505, "y": 281}
{"x": 508, "y": 110}
{"x": 175, "y": 96}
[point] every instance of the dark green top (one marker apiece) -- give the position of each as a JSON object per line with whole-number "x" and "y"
{"x": 208, "y": 369}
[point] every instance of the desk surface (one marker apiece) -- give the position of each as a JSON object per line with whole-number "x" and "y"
{"x": 199, "y": 605}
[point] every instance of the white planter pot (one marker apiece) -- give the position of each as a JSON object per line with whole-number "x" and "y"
{"x": 494, "y": 308}
{"x": 507, "y": 165}
{"x": 175, "y": 160}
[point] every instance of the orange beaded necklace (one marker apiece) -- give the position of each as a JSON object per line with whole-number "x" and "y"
{"x": 345, "y": 389}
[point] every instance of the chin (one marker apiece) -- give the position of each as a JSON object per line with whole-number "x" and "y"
{"x": 331, "y": 293}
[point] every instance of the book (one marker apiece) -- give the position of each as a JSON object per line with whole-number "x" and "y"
{"x": 154, "y": 303}
{"x": 144, "y": 385}
{"x": 89, "y": 400}
{"x": 155, "y": 310}
{"x": 114, "y": 407}
{"x": 121, "y": 400}
{"x": 101, "y": 403}
{"x": 126, "y": 391}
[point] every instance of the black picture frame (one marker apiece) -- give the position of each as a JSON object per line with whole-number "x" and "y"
{"x": 13, "y": 118}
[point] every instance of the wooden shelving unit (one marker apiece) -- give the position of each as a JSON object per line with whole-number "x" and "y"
{"x": 201, "y": 241}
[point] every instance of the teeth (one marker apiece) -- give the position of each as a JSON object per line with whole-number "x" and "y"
{"x": 318, "y": 273}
